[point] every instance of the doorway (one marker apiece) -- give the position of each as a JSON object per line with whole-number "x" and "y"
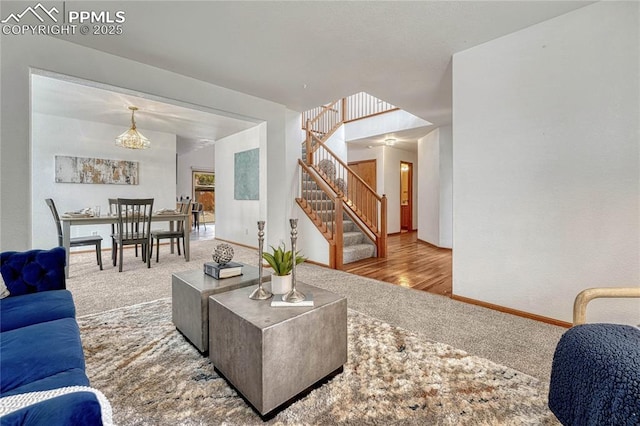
{"x": 204, "y": 192}
{"x": 406, "y": 196}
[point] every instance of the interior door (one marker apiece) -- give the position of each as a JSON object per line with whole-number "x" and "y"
{"x": 366, "y": 170}
{"x": 406, "y": 196}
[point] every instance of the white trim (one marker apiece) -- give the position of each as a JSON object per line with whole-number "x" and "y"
{"x": 12, "y": 403}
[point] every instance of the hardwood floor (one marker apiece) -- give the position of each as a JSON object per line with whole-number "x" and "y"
{"x": 409, "y": 263}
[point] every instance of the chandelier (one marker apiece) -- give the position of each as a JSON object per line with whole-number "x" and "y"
{"x": 132, "y": 138}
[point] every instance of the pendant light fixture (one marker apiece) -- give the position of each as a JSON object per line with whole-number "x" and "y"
{"x": 132, "y": 138}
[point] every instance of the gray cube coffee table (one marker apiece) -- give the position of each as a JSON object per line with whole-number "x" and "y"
{"x": 270, "y": 355}
{"x": 190, "y": 305}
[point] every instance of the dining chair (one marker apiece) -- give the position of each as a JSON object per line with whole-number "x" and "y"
{"x": 134, "y": 226}
{"x": 90, "y": 240}
{"x": 178, "y": 233}
{"x": 198, "y": 213}
{"x": 113, "y": 211}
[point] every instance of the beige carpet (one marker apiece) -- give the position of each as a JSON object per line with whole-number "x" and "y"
{"x": 519, "y": 343}
{"x": 152, "y": 376}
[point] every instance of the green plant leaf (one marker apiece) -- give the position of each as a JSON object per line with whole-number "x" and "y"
{"x": 281, "y": 260}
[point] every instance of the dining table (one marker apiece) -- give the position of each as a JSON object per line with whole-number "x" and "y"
{"x": 69, "y": 220}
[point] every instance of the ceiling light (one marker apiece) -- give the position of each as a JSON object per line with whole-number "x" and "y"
{"x": 132, "y": 138}
{"x": 390, "y": 141}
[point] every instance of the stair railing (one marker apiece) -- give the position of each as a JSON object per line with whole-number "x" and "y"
{"x": 345, "y": 185}
{"x": 363, "y": 105}
{"x": 355, "y": 107}
{"x": 325, "y": 211}
{"x": 358, "y": 196}
{"x": 326, "y": 120}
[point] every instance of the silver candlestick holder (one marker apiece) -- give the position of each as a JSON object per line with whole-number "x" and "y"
{"x": 294, "y": 295}
{"x": 260, "y": 293}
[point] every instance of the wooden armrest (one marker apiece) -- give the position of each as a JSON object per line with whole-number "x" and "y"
{"x": 585, "y": 296}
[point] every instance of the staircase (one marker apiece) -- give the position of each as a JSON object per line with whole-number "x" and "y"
{"x": 355, "y": 244}
{"x": 347, "y": 212}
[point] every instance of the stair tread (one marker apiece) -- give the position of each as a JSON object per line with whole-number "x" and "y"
{"x": 357, "y": 252}
{"x": 358, "y": 246}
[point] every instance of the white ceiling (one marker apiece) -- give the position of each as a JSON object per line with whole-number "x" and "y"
{"x": 304, "y": 54}
{"x": 404, "y": 139}
{"x": 83, "y": 100}
{"x": 299, "y": 54}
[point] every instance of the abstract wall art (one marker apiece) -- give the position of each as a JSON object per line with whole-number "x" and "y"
{"x": 95, "y": 170}
{"x": 246, "y": 175}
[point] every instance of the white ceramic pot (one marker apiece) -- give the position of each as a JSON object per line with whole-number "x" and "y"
{"x": 280, "y": 284}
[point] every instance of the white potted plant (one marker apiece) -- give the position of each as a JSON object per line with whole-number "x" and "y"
{"x": 281, "y": 260}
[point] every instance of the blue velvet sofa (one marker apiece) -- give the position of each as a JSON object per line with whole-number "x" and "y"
{"x": 42, "y": 368}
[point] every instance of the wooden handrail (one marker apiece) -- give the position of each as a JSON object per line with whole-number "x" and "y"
{"x": 358, "y": 197}
{"x": 320, "y": 182}
{"x": 381, "y": 242}
{"x": 585, "y": 296}
{"x": 339, "y": 236}
{"x": 351, "y": 120}
{"x": 362, "y": 105}
{"x": 339, "y": 182}
{"x": 325, "y": 121}
{"x": 351, "y": 108}
{"x": 314, "y": 148}
{"x": 333, "y": 233}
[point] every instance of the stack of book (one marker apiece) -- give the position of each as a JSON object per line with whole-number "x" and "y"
{"x": 227, "y": 270}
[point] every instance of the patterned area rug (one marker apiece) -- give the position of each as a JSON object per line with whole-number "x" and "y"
{"x": 153, "y": 376}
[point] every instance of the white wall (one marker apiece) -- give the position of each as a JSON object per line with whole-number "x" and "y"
{"x": 337, "y": 143}
{"x": 237, "y": 221}
{"x": 546, "y": 174}
{"x": 21, "y": 53}
{"x": 202, "y": 159}
{"x": 388, "y": 178}
{"x": 435, "y": 206}
{"x": 311, "y": 244}
{"x": 394, "y": 121}
{"x": 429, "y": 178}
{"x": 54, "y": 135}
{"x": 446, "y": 187}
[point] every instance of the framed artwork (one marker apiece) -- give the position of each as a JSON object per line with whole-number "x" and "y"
{"x": 246, "y": 175}
{"x": 95, "y": 170}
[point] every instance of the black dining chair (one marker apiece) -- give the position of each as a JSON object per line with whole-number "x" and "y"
{"x": 113, "y": 211}
{"x": 90, "y": 240}
{"x": 198, "y": 212}
{"x": 134, "y": 226}
{"x": 178, "y": 233}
